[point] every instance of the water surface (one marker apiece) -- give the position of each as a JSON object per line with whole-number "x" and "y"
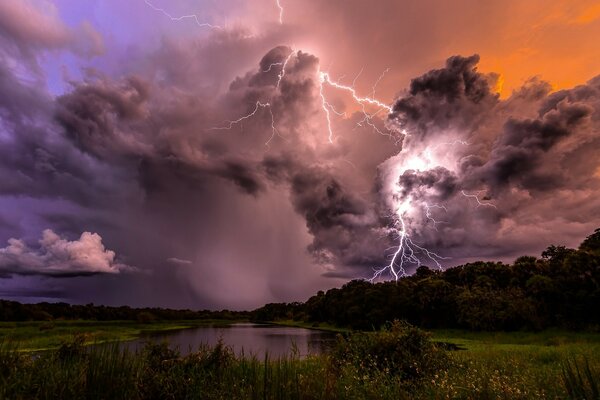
{"x": 252, "y": 339}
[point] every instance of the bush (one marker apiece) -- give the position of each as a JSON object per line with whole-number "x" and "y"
{"x": 400, "y": 350}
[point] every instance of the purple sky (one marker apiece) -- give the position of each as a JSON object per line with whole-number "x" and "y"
{"x": 207, "y": 154}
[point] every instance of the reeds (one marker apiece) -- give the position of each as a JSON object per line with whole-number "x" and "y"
{"x": 580, "y": 381}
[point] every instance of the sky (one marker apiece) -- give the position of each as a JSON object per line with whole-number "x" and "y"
{"x": 227, "y": 153}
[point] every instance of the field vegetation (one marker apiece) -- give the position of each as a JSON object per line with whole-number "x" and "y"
{"x": 46, "y": 335}
{"x": 398, "y": 362}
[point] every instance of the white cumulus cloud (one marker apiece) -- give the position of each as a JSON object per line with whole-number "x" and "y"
{"x": 58, "y": 256}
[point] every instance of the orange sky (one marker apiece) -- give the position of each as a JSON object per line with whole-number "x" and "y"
{"x": 561, "y": 46}
{"x": 555, "y": 40}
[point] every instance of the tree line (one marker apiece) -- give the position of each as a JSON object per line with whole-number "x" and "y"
{"x": 15, "y": 311}
{"x": 560, "y": 289}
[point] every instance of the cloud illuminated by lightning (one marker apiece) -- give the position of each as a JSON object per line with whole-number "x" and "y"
{"x": 406, "y": 250}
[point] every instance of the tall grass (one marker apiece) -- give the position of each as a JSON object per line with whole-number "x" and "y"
{"x": 580, "y": 381}
{"x": 399, "y": 363}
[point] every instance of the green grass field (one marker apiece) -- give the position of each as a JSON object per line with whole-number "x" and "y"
{"x": 491, "y": 365}
{"x": 36, "y": 335}
{"x": 514, "y": 365}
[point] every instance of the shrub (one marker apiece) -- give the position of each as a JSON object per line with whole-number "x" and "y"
{"x": 400, "y": 350}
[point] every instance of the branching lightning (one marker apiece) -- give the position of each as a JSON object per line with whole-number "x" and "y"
{"x": 197, "y": 20}
{"x": 428, "y": 215}
{"x": 377, "y": 81}
{"x": 406, "y": 252}
{"x": 476, "y": 197}
{"x": 190, "y": 16}
{"x": 325, "y": 78}
{"x": 259, "y": 105}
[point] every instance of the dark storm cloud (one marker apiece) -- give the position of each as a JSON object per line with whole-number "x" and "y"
{"x": 345, "y": 228}
{"x": 242, "y": 175}
{"x": 506, "y": 165}
{"x": 518, "y": 156}
{"x": 35, "y": 159}
{"x": 96, "y": 117}
{"x": 339, "y": 221}
{"x": 156, "y": 174}
{"x": 456, "y": 95}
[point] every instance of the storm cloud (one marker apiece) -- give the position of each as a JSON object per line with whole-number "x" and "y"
{"x": 204, "y": 160}
{"x": 497, "y": 167}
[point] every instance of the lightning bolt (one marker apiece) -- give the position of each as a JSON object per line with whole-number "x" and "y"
{"x": 283, "y": 66}
{"x": 280, "y": 11}
{"x": 197, "y": 20}
{"x": 363, "y": 101}
{"x": 190, "y": 16}
{"x": 325, "y": 78}
{"x": 430, "y": 217}
{"x": 378, "y": 80}
{"x": 476, "y": 197}
{"x": 406, "y": 252}
{"x": 259, "y": 105}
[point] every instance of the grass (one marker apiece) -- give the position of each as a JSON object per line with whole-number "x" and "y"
{"x": 517, "y": 365}
{"x": 38, "y": 335}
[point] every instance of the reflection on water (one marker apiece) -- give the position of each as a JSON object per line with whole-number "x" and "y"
{"x": 252, "y": 339}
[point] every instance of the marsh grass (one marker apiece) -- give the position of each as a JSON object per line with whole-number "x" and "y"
{"x": 579, "y": 379}
{"x": 364, "y": 366}
{"x": 49, "y": 335}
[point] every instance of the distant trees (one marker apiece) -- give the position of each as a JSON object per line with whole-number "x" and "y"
{"x": 560, "y": 289}
{"x": 14, "y": 311}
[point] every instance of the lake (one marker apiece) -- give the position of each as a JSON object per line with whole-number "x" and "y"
{"x": 253, "y": 339}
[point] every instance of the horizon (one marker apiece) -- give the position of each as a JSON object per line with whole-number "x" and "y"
{"x": 225, "y": 155}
